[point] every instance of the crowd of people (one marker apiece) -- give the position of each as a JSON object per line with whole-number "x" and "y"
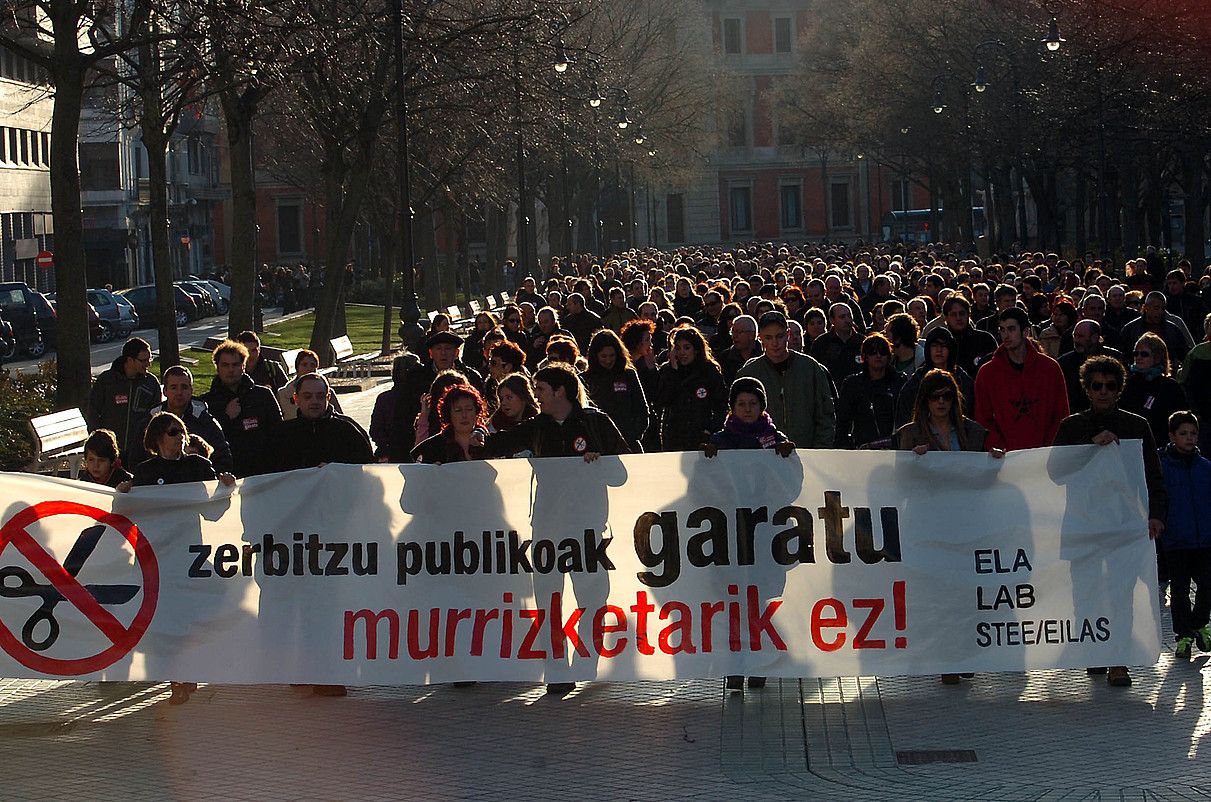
{"x": 812, "y": 346}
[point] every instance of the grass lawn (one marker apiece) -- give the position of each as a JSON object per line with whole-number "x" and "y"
{"x": 365, "y": 324}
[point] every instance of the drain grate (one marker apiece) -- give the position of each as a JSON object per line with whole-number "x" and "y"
{"x": 920, "y": 757}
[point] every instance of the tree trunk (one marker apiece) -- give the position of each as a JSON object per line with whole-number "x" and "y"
{"x": 426, "y": 256}
{"x": 1131, "y": 207}
{"x": 496, "y": 224}
{"x": 161, "y": 256}
{"x": 1194, "y": 179}
{"x": 74, "y": 372}
{"x": 343, "y": 204}
{"x": 1081, "y": 201}
{"x": 238, "y": 114}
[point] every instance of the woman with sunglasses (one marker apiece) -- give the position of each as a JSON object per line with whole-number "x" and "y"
{"x": 938, "y": 422}
{"x": 1151, "y": 391}
{"x": 165, "y": 439}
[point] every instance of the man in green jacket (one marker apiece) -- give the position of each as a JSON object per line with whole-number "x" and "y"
{"x": 798, "y": 390}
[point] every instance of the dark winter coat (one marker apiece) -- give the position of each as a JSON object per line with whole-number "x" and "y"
{"x": 251, "y": 433}
{"x": 691, "y": 402}
{"x": 305, "y": 443}
{"x": 621, "y": 396}
{"x": 123, "y": 406}
{"x": 1188, "y": 482}
{"x": 160, "y": 471}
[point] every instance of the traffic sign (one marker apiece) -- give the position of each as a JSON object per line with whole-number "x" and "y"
{"x": 89, "y": 600}
{"x": 45, "y": 260}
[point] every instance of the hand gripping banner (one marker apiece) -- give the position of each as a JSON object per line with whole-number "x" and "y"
{"x": 650, "y": 566}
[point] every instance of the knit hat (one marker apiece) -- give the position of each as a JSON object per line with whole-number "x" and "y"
{"x": 746, "y": 384}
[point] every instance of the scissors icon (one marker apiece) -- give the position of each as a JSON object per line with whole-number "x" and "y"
{"x": 83, "y": 548}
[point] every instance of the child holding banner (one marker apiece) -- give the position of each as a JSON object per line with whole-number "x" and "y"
{"x": 747, "y": 425}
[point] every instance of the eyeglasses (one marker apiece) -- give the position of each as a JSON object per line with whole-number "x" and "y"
{"x": 1144, "y": 354}
{"x": 1097, "y": 387}
{"x": 175, "y": 431}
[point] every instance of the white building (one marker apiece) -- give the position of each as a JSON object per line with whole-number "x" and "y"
{"x": 26, "y": 225}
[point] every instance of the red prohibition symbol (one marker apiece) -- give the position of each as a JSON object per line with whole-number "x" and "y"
{"x": 63, "y": 586}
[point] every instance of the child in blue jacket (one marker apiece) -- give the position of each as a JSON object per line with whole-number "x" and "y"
{"x": 1187, "y": 538}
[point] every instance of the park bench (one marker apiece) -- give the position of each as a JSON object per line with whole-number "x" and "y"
{"x": 58, "y": 442}
{"x": 347, "y": 364}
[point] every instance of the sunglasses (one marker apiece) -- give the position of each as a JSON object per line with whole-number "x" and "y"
{"x": 1099, "y": 386}
{"x": 175, "y": 431}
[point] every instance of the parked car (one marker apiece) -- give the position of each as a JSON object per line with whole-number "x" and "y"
{"x": 33, "y": 319}
{"x": 143, "y": 298}
{"x": 222, "y": 289}
{"x": 99, "y": 331}
{"x": 8, "y": 341}
{"x": 219, "y": 302}
{"x": 127, "y": 312}
{"x": 201, "y": 298}
{"x": 110, "y": 312}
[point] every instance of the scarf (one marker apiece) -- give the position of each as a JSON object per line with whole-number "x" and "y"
{"x": 1147, "y": 374}
{"x": 762, "y": 430}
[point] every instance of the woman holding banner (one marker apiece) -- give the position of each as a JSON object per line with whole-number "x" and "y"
{"x": 938, "y": 424}
{"x": 165, "y": 440}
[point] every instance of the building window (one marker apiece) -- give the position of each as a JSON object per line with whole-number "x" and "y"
{"x": 731, "y": 37}
{"x": 901, "y": 195}
{"x": 99, "y": 166}
{"x": 45, "y": 148}
{"x": 674, "y": 206}
{"x": 194, "y": 151}
{"x": 290, "y": 228}
{"x": 737, "y": 129}
{"x": 740, "y": 206}
{"x": 782, "y": 35}
{"x": 23, "y": 143}
{"x": 839, "y": 203}
{"x": 790, "y": 206}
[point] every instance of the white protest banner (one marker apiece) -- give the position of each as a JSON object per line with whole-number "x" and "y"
{"x": 643, "y": 567}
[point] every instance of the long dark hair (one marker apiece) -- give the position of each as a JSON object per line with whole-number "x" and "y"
{"x": 603, "y": 339}
{"x": 694, "y": 337}
{"x": 933, "y": 381}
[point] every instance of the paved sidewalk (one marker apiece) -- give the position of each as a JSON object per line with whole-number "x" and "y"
{"x": 1046, "y": 736}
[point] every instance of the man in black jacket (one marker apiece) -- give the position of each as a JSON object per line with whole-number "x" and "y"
{"x": 122, "y": 398}
{"x": 319, "y": 434}
{"x": 1103, "y": 378}
{"x": 247, "y": 412}
{"x": 316, "y": 437}
{"x": 972, "y": 345}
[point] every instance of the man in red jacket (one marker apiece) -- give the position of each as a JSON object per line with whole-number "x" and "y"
{"x": 1020, "y": 392}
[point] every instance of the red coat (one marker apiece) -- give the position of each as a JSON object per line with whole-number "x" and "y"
{"x": 1020, "y": 408}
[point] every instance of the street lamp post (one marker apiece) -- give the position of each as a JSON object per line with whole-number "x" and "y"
{"x": 966, "y": 190}
{"x": 981, "y": 84}
{"x": 410, "y": 331}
